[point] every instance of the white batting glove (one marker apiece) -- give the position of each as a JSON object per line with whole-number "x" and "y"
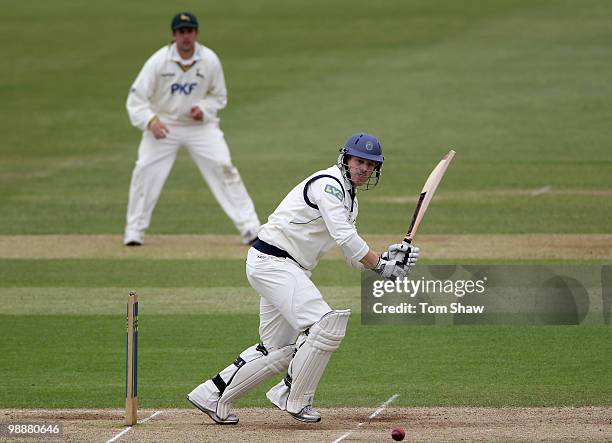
{"x": 411, "y": 256}
{"x": 390, "y": 269}
{"x": 396, "y": 251}
{"x": 404, "y": 252}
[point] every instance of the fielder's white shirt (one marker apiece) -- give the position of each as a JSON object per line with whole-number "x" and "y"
{"x": 169, "y": 86}
{"x": 306, "y": 232}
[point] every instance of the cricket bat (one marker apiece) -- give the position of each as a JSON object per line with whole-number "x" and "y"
{"x": 427, "y": 194}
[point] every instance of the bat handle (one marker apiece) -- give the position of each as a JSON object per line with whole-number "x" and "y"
{"x": 407, "y": 241}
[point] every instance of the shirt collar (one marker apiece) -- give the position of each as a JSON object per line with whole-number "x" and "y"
{"x": 176, "y": 57}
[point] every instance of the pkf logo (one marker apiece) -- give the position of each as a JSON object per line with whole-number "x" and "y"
{"x": 182, "y": 88}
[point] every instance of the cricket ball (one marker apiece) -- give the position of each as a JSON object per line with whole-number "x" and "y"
{"x": 398, "y": 434}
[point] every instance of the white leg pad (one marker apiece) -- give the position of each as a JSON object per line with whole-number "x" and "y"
{"x": 309, "y": 362}
{"x": 279, "y": 393}
{"x": 252, "y": 367}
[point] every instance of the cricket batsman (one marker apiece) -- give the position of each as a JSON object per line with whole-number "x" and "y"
{"x": 298, "y": 330}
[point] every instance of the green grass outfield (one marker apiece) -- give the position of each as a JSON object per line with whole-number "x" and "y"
{"x": 520, "y": 88}
{"x": 63, "y": 348}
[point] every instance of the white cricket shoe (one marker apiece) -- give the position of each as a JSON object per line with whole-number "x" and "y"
{"x": 206, "y": 401}
{"x": 249, "y": 237}
{"x": 308, "y": 414}
{"x": 133, "y": 238}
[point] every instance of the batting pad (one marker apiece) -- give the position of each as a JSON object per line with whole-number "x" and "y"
{"x": 256, "y": 366}
{"x": 312, "y": 357}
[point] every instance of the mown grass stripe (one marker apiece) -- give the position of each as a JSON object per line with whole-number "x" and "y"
{"x": 153, "y": 301}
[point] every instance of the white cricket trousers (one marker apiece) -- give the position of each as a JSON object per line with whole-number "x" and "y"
{"x": 290, "y": 302}
{"x": 206, "y": 145}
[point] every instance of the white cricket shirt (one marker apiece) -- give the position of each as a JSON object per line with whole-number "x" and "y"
{"x": 169, "y": 86}
{"x": 308, "y": 223}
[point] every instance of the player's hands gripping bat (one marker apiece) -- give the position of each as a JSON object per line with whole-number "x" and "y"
{"x": 404, "y": 253}
{"x": 390, "y": 269}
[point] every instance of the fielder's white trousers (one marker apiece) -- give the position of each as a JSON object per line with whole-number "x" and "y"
{"x": 206, "y": 145}
{"x": 290, "y": 302}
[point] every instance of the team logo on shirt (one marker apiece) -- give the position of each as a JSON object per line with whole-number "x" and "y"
{"x": 330, "y": 189}
{"x": 182, "y": 88}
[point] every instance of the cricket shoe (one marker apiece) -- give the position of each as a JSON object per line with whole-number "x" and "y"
{"x": 308, "y": 414}
{"x": 133, "y": 238}
{"x": 231, "y": 419}
{"x": 249, "y": 237}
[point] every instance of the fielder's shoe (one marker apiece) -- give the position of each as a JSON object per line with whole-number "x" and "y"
{"x": 133, "y": 237}
{"x": 231, "y": 419}
{"x": 308, "y": 414}
{"x": 249, "y": 237}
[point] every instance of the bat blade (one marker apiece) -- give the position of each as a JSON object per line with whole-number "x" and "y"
{"x": 427, "y": 194}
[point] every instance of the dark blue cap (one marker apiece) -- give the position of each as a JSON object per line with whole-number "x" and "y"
{"x": 184, "y": 20}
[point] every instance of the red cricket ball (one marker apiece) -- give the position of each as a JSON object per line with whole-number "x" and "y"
{"x": 398, "y": 434}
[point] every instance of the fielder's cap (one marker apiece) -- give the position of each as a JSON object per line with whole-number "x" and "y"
{"x": 184, "y": 20}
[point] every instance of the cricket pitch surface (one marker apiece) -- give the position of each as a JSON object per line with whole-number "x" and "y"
{"x": 505, "y": 424}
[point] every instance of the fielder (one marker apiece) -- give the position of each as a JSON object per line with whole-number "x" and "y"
{"x": 299, "y": 331}
{"x": 174, "y": 101}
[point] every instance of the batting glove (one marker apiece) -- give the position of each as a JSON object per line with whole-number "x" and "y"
{"x": 390, "y": 269}
{"x": 405, "y": 252}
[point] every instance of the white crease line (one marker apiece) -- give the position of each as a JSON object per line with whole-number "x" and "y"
{"x": 542, "y": 190}
{"x": 384, "y": 405}
{"x": 374, "y": 414}
{"x": 118, "y": 436}
{"x": 342, "y": 437}
{"x": 155, "y": 414}
{"x": 126, "y": 430}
